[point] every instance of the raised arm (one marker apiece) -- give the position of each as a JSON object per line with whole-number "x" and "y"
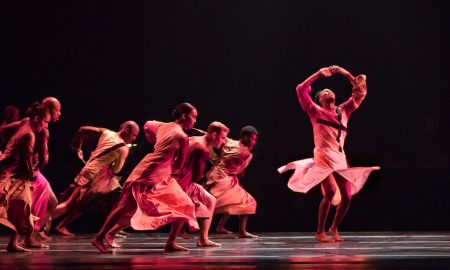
{"x": 304, "y": 88}
{"x": 80, "y": 137}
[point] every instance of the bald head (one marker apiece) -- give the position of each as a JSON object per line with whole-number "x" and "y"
{"x": 54, "y": 106}
{"x": 128, "y": 131}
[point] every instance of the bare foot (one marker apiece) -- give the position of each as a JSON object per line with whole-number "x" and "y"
{"x": 207, "y": 243}
{"x": 98, "y": 243}
{"x": 322, "y": 237}
{"x": 223, "y": 231}
{"x": 64, "y": 231}
{"x": 185, "y": 235}
{"x": 335, "y": 234}
{"x": 16, "y": 248}
{"x": 174, "y": 247}
{"x": 111, "y": 242}
{"x": 33, "y": 244}
{"x": 44, "y": 236}
{"x": 246, "y": 235}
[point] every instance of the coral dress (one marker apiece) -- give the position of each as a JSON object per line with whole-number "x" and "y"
{"x": 223, "y": 182}
{"x": 160, "y": 199}
{"x": 330, "y": 130}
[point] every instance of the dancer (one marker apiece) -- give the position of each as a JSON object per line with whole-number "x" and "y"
{"x": 43, "y": 199}
{"x": 17, "y": 171}
{"x": 329, "y": 166}
{"x": 99, "y": 175}
{"x": 223, "y": 181}
{"x": 193, "y": 170}
{"x": 151, "y": 196}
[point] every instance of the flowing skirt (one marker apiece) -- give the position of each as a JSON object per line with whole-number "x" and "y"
{"x": 231, "y": 197}
{"x": 204, "y": 202}
{"x": 162, "y": 203}
{"x": 310, "y": 172}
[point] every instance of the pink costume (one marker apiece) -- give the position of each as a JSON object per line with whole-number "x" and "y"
{"x": 192, "y": 172}
{"x": 16, "y": 172}
{"x": 41, "y": 186}
{"x": 330, "y": 131}
{"x": 223, "y": 182}
{"x": 160, "y": 200}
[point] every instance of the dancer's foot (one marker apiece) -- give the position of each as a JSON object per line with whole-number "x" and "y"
{"x": 64, "y": 231}
{"x": 322, "y": 237}
{"x": 111, "y": 242}
{"x": 174, "y": 247}
{"x": 223, "y": 231}
{"x": 246, "y": 235}
{"x": 185, "y": 235}
{"x": 335, "y": 234}
{"x": 207, "y": 243}
{"x": 29, "y": 243}
{"x": 48, "y": 226}
{"x": 44, "y": 236}
{"x": 16, "y": 248}
{"x": 98, "y": 243}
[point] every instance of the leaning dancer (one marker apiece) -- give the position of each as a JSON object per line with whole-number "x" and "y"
{"x": 329, "y": 166}
{"x": 223, "y": 181}
{"x": 99, "y": 175}
{"x": 196, "y": 161}
{"x": 17, "y": 171}
{"x": 151, "y": 196}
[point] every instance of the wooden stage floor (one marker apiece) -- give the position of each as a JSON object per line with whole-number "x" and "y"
{"x": 282, "y": 250}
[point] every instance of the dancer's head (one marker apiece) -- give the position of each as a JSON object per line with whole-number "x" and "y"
{"x": 185, "y": 114}
{"x": 150, "y": 130}
{"x": 249, "y": 136}
{"x": 216, "y": 134}
{"x": 39, "y": 117}
{"x": 128, "y": 131}
{"x": 11, "y": 114}
{"x": 326, "y": 99}
{"x": 54, "y": 107}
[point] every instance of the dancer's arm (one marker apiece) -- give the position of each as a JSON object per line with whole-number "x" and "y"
{"x": 82, "y": 134}
{"x": 304, "y": 88}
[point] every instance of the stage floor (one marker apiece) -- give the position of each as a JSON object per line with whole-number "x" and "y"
{"x": 360, "y": 250}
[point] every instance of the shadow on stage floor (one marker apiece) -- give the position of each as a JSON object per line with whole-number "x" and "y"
{"x": 360, "y": 250}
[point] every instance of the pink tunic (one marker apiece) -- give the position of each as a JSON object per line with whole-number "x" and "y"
{"x": 223, "y": 183}
{"x": 329, "y": 138}
{"x": 160, "y": 199}
{"x": 192, "y": 172}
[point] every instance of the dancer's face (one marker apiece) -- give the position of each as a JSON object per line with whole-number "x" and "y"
{"x": 219, "y": 138}
{"x": 327, "y": 99}
{"x": 250, "y": 140}
{"x": 38, "y": 124}
{"x": 55, "y": 112}
{"x": 131, "y": 134}
{"x": 190, "y": 119}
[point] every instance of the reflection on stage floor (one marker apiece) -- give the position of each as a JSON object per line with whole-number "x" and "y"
{"x": 280, "y": 250}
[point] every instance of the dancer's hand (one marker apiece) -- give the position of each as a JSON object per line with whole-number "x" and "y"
{"x": 80, "y": 155}
{"x": 326, "y": 72}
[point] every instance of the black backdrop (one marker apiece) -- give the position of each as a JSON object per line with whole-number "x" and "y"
{"x": 239, "y": 62}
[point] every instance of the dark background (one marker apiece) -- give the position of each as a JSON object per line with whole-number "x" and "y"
{"x": 239, "y": 62}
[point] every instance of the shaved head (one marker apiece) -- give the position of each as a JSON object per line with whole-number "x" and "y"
{"x": 54, "y": 106}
